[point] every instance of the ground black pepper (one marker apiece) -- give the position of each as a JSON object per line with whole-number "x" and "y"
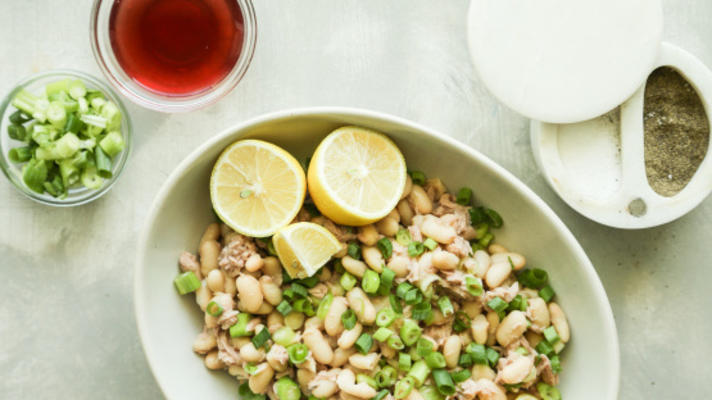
{"x": 676, "y": 131}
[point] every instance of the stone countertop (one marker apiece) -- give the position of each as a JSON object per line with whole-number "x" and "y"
{"x": 67, "y": 326}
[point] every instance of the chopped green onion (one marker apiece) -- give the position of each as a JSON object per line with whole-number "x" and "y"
{"x": 261, "y": 338}
{"x": 551, "y": 335}
{"x": 347, "y": 281}
{"x": 403, "y": 387}
{"x": 299, "y": 290}
{"x": 370, "y": 281}
{"x": 480, "y": 231}
{"x": 385, "y": 317}
{"x": 413, "y": 296}
{"x": 430, "y": 244}
{"x": 534, "y": 278}
{"x": 395, "y": 342}
{"x": 402, "y": 289}
{"x": 473, "y": 285}
{"x": 102, "y": 161}
{"x": 287, "y": 389}
{"x": 477, "y": 215}
{"x": 492, "y": 357}
{"x": 422, "y": 311}
{"x": 354, "y": 251}
{"x": 381, "y": 395}
{"x": 548, "y": 392}
{"x": 497, "y": 304}
{"x": 298, "y": 353}
{"x": 311, "y": 281}
{"x": 19, "y": 117}
{"x": 363, "y": 343}
{"x": 20, "y": 154}
{"x": 304, "y": 306}
{"x": 555, "y": 364}
{"x": 386, "y": 376}
{"x": 382, "y": 334}
{"x": 477, "y": 352}
{"x": 435, "y": 359}
{"x": 464, "y": 196}
{"x": 186, "y": 282}
{"x": 214, "y": 309}
{"x": 418, "y": 177}
{"x": 348, "y": 319}
{"x": 465, "y": 360}
{"x": 395, "y": 304}
{"x": 245, "y": 393}
{"x": 429, "y": 392}
{"x": 403, "y": 237}
{"x": 387, "y": 276}
{"x": 518, "y": 303}
{"x": 423, "y": 347}
{"x": 443, "y": 381}
{"x": 385, "y": 247}
{"x": 521, "y": 350}
{"x": 284, "y": 307}
{"x": 409, "y": 332}
{"x": 493, "y": 217}
{"x": 446, "y": 306}
{"x": 461, "y": 322}
{"x": 363, "y": 378}
{"x": 404, "y": 361}
{"x": 415, "y": 248}
{"x": 17, "y": 132}
{"x": 547, "y": 293}
{"x": 324, "y": 306}
{"x": 460, "y": 375}
{"x": 419, "y": 372}
{"x": 544, "y": 347}
{"x": 284, "y": 336}
{"x": 486, "y": 240}
{"x": 240, "y": 327}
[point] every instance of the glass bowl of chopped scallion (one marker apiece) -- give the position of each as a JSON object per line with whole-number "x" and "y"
{"x": 64, "y": 137}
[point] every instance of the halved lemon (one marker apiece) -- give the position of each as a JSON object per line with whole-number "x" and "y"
{"x": 304, "y": 247}
{"x": 356, "y": 176}
{"x": 256, "y": 187}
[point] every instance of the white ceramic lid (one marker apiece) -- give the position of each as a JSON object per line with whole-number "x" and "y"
{"x": 564, "y": 60}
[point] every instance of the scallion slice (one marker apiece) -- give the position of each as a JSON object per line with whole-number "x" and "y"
{"x": 497, "y": 304}
{"x": 409, "y": 332}
{"x": 403, "y": 237}
{"x": 445, "y": 306}
{"x": 385, "y": 247}
{"x": 348, "y": 319}
{"x": 298, "y": 353}
{"x": 415, "y": 248}
{"x": 363, "y": 343}
{"x": 464, "y": 196}
{"x": 284, "y": 307}
{"x": 443, "y": 381}
{"x": 430, "y": 244}
{"x": 370, "y": 281}
{"x": 324, "y": 306}
{"x": 214, "y": 309}
{"x": 261, "y": 338}
{"x": 240, "y": 327}
{"x": 186, "y": 282}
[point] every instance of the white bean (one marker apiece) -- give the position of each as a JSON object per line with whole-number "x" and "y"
{"x": 533, "y": 338}
{"x": 254, "y": 263}
{"x": 210, "y": 321}
{"x": 277, "y": 357}
{"x": 367, "y": 234}
{"x": 399, "y": 265}
{"x": 259, "y": 382}
{"x": 472, "y": 308}
{"x": 483, "y": 263}
{"x": 479, "y": 328}
{"x": 324, "y": 389}
{"x": 496, "y": 248}
{"x": 387, "y": 227}
{"x": 366, "y": 362}
{"x": 332, "y": 321}
{"x": 493, "y": 320}
{"x": 444, "y": 260}
{"x": 265, "y": 308}
{"x": 304, "y": 376}
{"x": 437, "y": 230}
{"x": 362, "y": 306}
{"x": 215, "y": 280}
{"x": 349, "y": 337}
{"x": 319, "y": 347}
{"x": 451, "y": 350}
{"x": 294, "y": 320}
{"x": 275, "y": 320}
{"x": 482, "y": 371}
{"x": 558, "y": 319}
{"x": 517, "y": 259}
{"x": 250, "y": 353}
{"x": 209, "y": 252}
{"x": 270, "y": 290}
{"x": 273, "y": 268}
{"x": 249, "y": 292}
{"x": 204, "y": 342}
{"x": 494, "y": 391}
{"x": 347, "y": 383}
{"x": 511, "y": 328}
{"x": 314, "y": 322}
{"x": 203, "y": 296}
{"x": 387, "y": 351}
{"x": 405, "y": 212}
{"x": 538, "y": 312}
{"x": 341, "y": 356}
{"x": 517, "y": 370}
{"x": 353, "y": 266}
{"x": 407, "y": 188}
{"x": 229, "y": 285}
{"x": 212, "y": 232}
{"x": 497, "y": 274}
{"x": 213, "y": 362}
{"x": 414, "y": 395}
{"x": 373, "y": 258}
{"x": 419, "y": 200}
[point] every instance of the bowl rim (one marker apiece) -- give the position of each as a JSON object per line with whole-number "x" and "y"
{"x": 609, "y": 327}
{"x": 122, "y": 157}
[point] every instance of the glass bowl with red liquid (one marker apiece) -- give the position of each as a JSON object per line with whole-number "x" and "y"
{"x": 173, "y": 55}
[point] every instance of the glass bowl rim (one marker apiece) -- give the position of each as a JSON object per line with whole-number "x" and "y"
{"x": 126, "y": 131}
{"x": 169, "y": 104}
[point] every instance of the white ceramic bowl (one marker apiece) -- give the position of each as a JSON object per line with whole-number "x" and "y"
{"x": 168, "y": 323}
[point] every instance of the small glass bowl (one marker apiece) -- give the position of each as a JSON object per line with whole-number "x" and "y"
{"x": 105, "y": 57}
{"x": 75, "y": 196}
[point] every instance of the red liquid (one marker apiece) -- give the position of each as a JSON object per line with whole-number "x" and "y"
{"x": 176, "y": 47}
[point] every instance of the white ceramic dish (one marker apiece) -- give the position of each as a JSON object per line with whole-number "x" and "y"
{"x": 168, "y": 323}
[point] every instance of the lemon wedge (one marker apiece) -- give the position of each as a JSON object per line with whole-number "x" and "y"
{"x": 356, "y": 176}
{"x": 304, "y": 247}
{"x": 256, "y": 187}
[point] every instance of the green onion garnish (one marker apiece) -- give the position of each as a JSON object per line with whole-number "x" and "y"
{"x": 324, "y": 306}
{"x": 299, "y": 290}
{"x": 287, "y": 389}
{"x": 445, "y": 306}
{"x": 551, "y": 335}
{"x": 409, "y": 332}
{"x": 404, "y": 361}
{"x": 465, "y": 360}
{"x": 493, "y": 217}
{"x": 413, "y": 296}
{"x": 395, "y": 304}
{"x": 422, "y": 311}
{"x": 402, "y": 289}
{"x": 477, "y": 352}
{"x": 461, "y": 322}
{"x": 548, "y": 392}
{"x": 460, "y": 375}
{"x": 382, "y": 334}
{"x": 419, "y": 372}
{"x": 435, "y": 359}
{"x": 464, "y": 196}
{"x": 297, "y": 352}
{"x": 403, "y": 387}
{"x": 555, "y": 364}
{"x": 403, "y": 237}
{"x": 214, "y": 309}
{"x": 486, "y": 239}
{"x": 430, "y": 392}
{"x": 547, "y": 293}
{"x": 492, "y": 357}
{"x": 415, "y": 248}
{"x": 473, "y": 285}
{"x": 385, "y": 317}
{"x": 370, "y": 281}
{"x": 284, "y": 307}
{"x": 395, "y": 342}
{"x": 418, "y": 177}
{"x": 347, "y": 281}
{"x": 348, "y": 319}
{"x": 387, "y": 276}
{"x": 380, "y": 395}
{"x": 518, "y": 303}
{"x": 430, "y": 244}
{"x": 245, "y": 393}
{"x": 363, "y": 343}
{"x": 187, "y": 282}
{"x": 240, "y": 327}
{"x": 497, "y": 304}
{"x": 363, "y": 378}
{"x": 443, "y": 381}
{"x": 423, "y": 347}
{"x": 385, "y": 247}
{"x": 354, "y": 251}
{"x": 250, "y": 368}
{"x": 261, "y": 338}
{"x": 386, "y": 376}
{"x": 284, "y": 336}
{"x": 534, "y": 278}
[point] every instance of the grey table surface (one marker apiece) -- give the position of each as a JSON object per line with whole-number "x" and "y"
{"x": 67, "y": 326}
